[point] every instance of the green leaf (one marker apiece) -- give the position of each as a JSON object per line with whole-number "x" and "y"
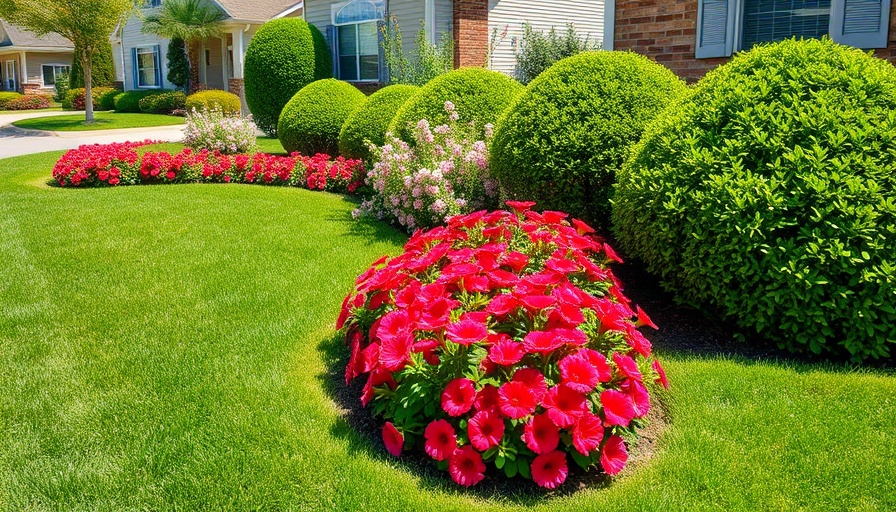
{"x": 499, "y": 461}
{"x": 511, "y": 469}
{"x": 524, "y": 469}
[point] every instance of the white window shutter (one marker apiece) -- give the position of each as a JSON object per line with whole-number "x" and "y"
{"x": 715, "y": 28}
{"x": 860, "y": 23}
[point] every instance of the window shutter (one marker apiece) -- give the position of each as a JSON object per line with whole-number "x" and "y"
{"x": 136, "y": 71}
{"x": 384, "y": 69}
{"x": 157, "y": 59}
{"x": 860, "y": 23}
{"x": 334, "y": 48}
{"x": 715, "y": 28}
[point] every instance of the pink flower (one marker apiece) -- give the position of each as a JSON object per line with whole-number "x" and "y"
{"x": 577, "y": 372}
{"x": 440, "y": 440}
{"x": 587, "y": 433}
{"x": 458, "y": 396}
{"x": 393, "y": 439}
{"x": 541, "y": 342}
{"x": 506, "y": 352}
{"x": 485, "y": 428}
{"x": 564, "y": 405}
{"x": 661, "y": 379}
{"x": 516, "y": 400}
{"x": 549, "y": 470}
{"x": 466, "y": 466}
{"x": 627, "y": 366}
{"x": 540, "y": 434}
{"x": 618, "y": 408}
{"x": 467, "y": 332}
{"x": 614, "y": 455}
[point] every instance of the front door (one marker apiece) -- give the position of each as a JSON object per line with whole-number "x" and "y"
{"x": 11, "y": 82}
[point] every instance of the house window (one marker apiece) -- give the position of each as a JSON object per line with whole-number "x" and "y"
{"x": 152, "y": 3}
{"x": 147, "y": 67}
{"x": 357, "y": 39}
{"x": 52, "y": 72}
{"x": 728, "y": 26}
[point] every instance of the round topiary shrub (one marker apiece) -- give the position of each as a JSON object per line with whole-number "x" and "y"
{"x": 768, "y": 195}
{"x": 562, "y": 141}
{"x": 479, "y": 95}
{"x": 371, "y": 120}
{"x": 129, "y": 101}
{"x": 226, "y": 102}
{"x": 163, "y": 103}
{"x": 311, "y": 121}
{"x": 285, "y": 55}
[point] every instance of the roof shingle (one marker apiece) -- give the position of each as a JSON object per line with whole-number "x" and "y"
{"x": 19, "y": 36}
{"x": 261, "y": 10}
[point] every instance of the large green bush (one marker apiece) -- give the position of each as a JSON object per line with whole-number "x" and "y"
{"x": 478, "y": 94}
{"x": 285, "y": 55}
{"x": 770, "y": 196}
{"x": 371, "y": 120}
{"x": 7, "y": 96}
{"x": 76, "y": 99}
{"x": 562, "y": 141}
{"x": 226, "y": 102}
{"x": 311, "y": 121}
{"x": 163, "y": 103}
{"x": 102, "y": 71}
{"x": 129, "y": 101}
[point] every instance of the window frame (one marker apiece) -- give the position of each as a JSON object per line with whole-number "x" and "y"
{"x": 335, "y": 9}
{"x": 157, "y": 62}
{"x": 43, "y": 74}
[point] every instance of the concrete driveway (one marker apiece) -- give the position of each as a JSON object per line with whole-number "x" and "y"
{"x": 17, "y": 141}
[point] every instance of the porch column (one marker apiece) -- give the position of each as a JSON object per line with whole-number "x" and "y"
{"x": 23, "y": 77}
{"x": 239, "y": 49}
{"x": 224, "y": 77}
{"x": 202, "y": 71}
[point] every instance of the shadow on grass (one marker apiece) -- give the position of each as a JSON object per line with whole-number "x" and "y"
{"x": 366, "y": 230}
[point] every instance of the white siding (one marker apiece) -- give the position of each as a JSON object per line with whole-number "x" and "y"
{"x": 36, "y": 61}
{"x": 587, "y": 16}
{"x": 410, "y": 15}
{"x": 132, "y": 37}
{"x": 444, "y": 18}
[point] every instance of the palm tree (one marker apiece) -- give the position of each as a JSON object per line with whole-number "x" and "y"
{"x": 188, "y": 20}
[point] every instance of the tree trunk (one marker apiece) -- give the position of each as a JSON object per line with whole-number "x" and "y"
{"x": 193, "y": 62}
{"x": 88, "y": 86}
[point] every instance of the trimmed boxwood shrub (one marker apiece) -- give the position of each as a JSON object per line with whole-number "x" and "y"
{"x": 163, "y": 103}
{"x": 7, "y": 96}
{"x": 562, "y": 141}
{"x": 76, "y": 99}
{"x": 224, "y": 101}
{"x": 311, "y": 121}
{"x": 285, "y": 55}
{"x": 479, "y": 95}
{"x": 371, "y": 120}
{"x": 129, "y": 101}
{"x": 106, "y": 100}
{"x": 770, "y": 196}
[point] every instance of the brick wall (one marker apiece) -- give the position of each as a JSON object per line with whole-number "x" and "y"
{"x": 470, "y": 32}
{"x": 665, "y": 31}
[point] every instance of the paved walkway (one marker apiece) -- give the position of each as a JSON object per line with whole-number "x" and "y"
{"x": 17, "y": 141}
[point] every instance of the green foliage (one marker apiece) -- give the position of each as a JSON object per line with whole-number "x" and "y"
{"x": 102, "y": 72}
{"x": 129, "y": 101}
{"x": 178, "y": 67}
{"x": 284, "y": 56}
{"x": 29, "y": 102}
{"x": 769, "y": 196}
{"x": 163, "y": 103}
{"x": 538, "y": 50}
{"x": 371, "y": 120}
{"x": 226, "y": 102}
{"x": 75, "y": 99}
{"x": 62, "y": 87}
{"x": 311, "y": 121}
{"x": 479, "y": 95}
{"x": 7, "y": 96}
{"x": 562, "y": 141}
{"x": 427, "y": 61}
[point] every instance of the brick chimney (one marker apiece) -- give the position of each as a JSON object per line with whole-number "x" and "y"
{"x": 470, "y": 32}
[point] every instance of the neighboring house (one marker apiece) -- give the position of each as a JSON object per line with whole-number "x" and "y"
{"x": 29, "y": 63}
{"x": 693, "y": 36}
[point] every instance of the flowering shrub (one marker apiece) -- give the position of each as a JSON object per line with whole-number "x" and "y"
{"x": 29, "y": 102}
{"x": 444, "y": 173}
{"x": 214, "y": 131}
{"x": 121, "y": 164}
{"x": 502, "y": 339}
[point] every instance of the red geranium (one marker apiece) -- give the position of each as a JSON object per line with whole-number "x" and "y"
{"x": 440, "y": 440}
{"x": 486, "y": 428}
{"x": 540, "y": 434}
{"x": 393, "y": 439}
{"x": 466, "y": 466}
{"x": 614, "y": 455}
{"x": 458, "y": 396}
{"x": 549, "y": 469}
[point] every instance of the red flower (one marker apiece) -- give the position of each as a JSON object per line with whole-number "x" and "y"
{"x": 506, "y": 352}
{"x": 549, "y": 469}
{"x": 661, "y": 373}
{"x": 516, "y": 400}
{"x": 639, "y": 396}
{"x": 643, "y": 319}
{"x": 564, "y": 405}
{"x": 599, "y": 361}
{"x": 627, "y": 366}
{"x": 466, "y": 466}
{"x": 467, "y": 332}
{"x": 485, "y": 428}
{"x": 395, "y": 351}
{"x": 502, "y": 305}
{"x": 614, "y": 455}
{"x": 618, "y": 408}
{"x": 587, "y": 433}
{"x": 520, "y": 206}
{"x": 458, "y": 396}
{"x": 540, "y": 434}
{"x": 170, "y": 175}
{"x": 487, "y": 398}
{"x": 578, "y": 373}
{"x": 537, "y": 302}
{"x": 534, "y": 380}
{"x": 440, "y": 440}
{"x": 542, "y": 342}
{"x": 393, "y": 439}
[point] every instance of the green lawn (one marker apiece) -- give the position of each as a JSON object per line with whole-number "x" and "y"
{"x": 102, "y": 121}
{"x": 171, "y": 348}
{"x": 54, "y": 107}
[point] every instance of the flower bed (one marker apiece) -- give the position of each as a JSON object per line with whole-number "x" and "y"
{"x": 502, "y": 339}
{"x": 121, "y": 164}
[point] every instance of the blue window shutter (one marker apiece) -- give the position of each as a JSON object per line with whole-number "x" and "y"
{"x": 136, "y": 71}
{"x": 715, "y": 28}
{"x": 383, "y": 68}
{"x": 334, "y": 49}
{"x": 157, "y": 58}
{"x": 860, "y": 23}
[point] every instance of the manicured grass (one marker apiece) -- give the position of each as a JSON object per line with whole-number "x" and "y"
{"x": 54, "y": 107}
{"x": 172, "y": 348}
{"x": 102, "y": 121}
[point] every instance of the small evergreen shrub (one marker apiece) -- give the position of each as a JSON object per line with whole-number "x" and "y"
{"x": 537, "y": 51}
{"x": 426, "y": 61}
{"x": 107, "y": 99}
{"x": 178, "y": 67}
{"x": 62, "y": 87}
{"x": 29, "y": 102}
{"x": 7, "y": 96}
{"x": 102, "y": 70}
{"x": 129, "y": 101}
{"x": 368, "y": 124}
{"x": 163, "y": 103}
{"x": 285, "y": 55}
{"x": 226, "y": 102}
{"x": 311, "y": 121}
{"x": 562, "y": 141}
{"x": 76, "y": 99}
{"x": 480, "y": 95}
{"x": 768, "y": 196}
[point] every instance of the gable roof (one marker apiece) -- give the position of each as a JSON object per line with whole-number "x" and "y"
{"x": 256, "y": 10}
{"x": 15, "y": 35}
